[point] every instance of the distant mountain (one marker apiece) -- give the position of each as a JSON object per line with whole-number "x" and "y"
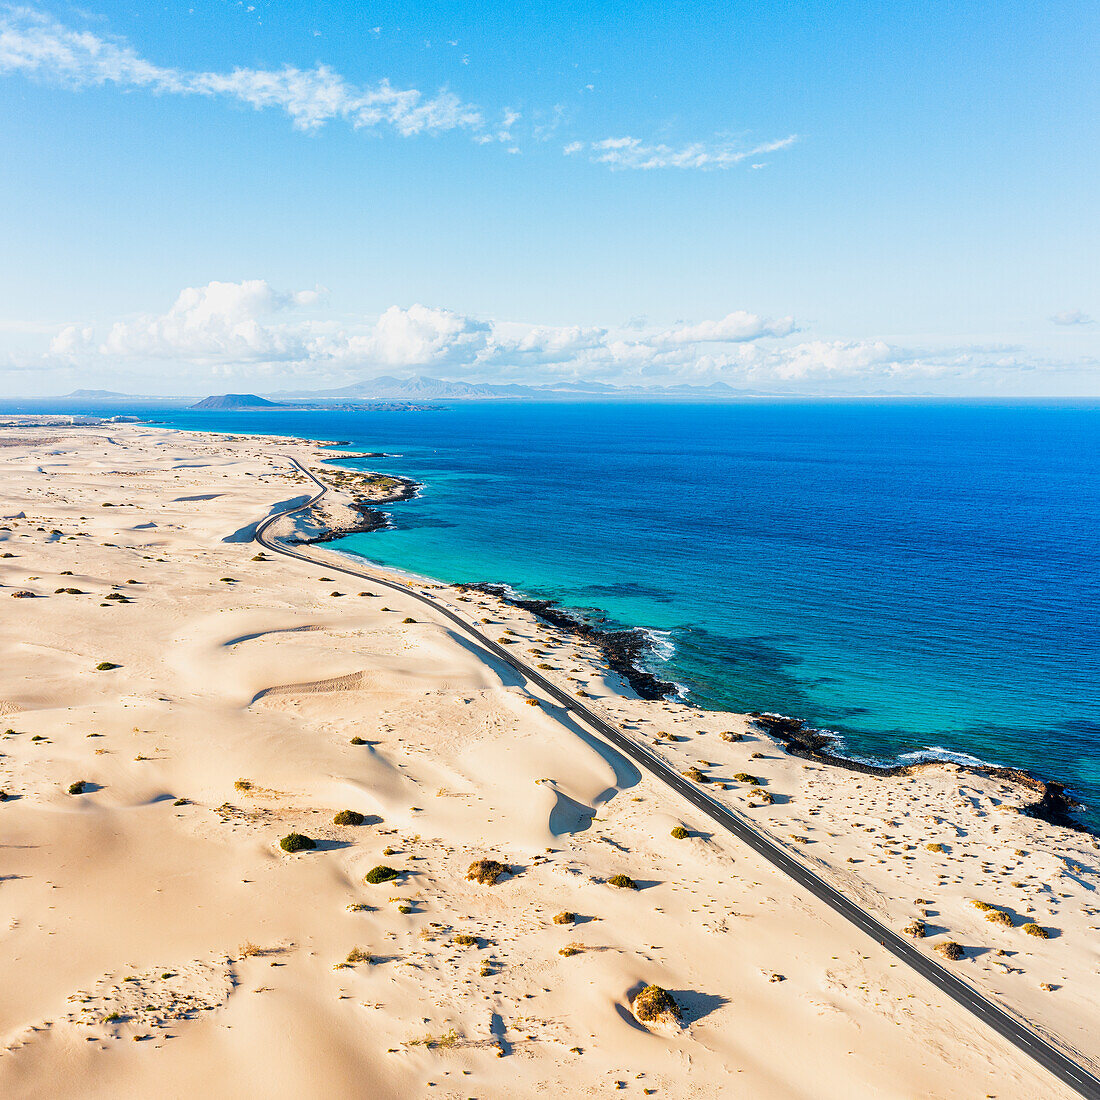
{"x": 422, "y": 388}
{"x": 97, "y": 395}
{"x": 236, "y": 401}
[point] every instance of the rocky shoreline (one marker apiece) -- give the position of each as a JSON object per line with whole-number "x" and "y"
{"x": 326, "y": 522}
{"x": 622, "y": 650}
{"x": 1053, "y": 805}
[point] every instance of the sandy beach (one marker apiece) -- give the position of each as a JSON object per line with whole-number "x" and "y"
{"x": 176, "y": 702}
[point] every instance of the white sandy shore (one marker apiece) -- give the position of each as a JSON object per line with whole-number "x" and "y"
{"x": 157, "y": 942}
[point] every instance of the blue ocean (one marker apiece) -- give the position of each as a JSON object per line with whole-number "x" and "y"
{"x": 915, "y": 576}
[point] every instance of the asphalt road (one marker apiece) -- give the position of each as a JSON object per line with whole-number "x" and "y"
{"x": 1009, "y": 1027}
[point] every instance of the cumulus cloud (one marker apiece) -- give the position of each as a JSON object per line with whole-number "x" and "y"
{"x": 252, "y": 323}
{"x": 36, "y": 45}
{"x": 733, "y": 328}
{"x": 1071, "y": 317}
{"x": 252, "y": 330}
{"x": 632, "y": 152}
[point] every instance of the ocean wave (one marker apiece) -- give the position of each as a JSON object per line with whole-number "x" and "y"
{"x": 661, "y": 642}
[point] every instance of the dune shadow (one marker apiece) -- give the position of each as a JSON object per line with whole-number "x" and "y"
{"x": 696, "y": 1006}
{"x": 627, "y": 1017}
{"x": 248, "y": 532}
{"x": 323, "y": 845}
{"x": 497, "y": 1029}
{"x": 569, "y": 816}
{"x": 509, "y": 677}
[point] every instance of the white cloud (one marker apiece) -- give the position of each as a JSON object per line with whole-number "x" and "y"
{"x": 36, "y": 45}
{"x": 733, "y": 328}
{"x": 220, "y": 322}
{"x": 1071, "y": 317}
{"x": 632, "y": 152}
{"x": 418, "y": 336}
{"x": 250, "y": 330}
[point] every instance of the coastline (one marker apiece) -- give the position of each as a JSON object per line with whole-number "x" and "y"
{"x": 625, "y": 649}
{"x": 244, "y": 697}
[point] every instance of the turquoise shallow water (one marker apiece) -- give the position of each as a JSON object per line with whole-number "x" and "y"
{"x": 914, "y": 576}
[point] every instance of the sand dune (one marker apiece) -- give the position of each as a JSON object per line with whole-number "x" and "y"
{"x": 158, "y": 941}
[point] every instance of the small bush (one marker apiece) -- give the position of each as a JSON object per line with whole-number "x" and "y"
{"x": 950, "y": 950}
{"x": 744, "y": 777}
{"x": 357, "y": 741}
{"x": 696, "y": 776}
{"x": 106, "y": 666}
{"x": 408, "y": 620}
{"x": 624, "y": 882}
{"x": 934, "y": 847}
{"x": 654, "y": 1002}
{"x": 78, "y": 787}
{"x": 243, "y": 785}
{"x": 680, "y": 833}
{"x": 982, "y": 906}
{"x": 348, "y": 817}
{"x": 915, "y": 929}
{"x": 570, "y": 949}
{"x": 999, "y": 916}
{"x": 731, "y": 736}
{"x": 531, "y": 702}
{"x": 296, "y": 842}
{"x": 1033, "y": 929}
{"x": 357, "y": 955}
{"x": 377, "y": 875}
{"x": 565, "y": 918}
{"x": 486, "y": 871}
{"x": 466, "y": 940}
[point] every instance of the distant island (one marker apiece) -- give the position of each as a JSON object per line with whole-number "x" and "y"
{"x": 236, "y": 401}
{"x": 245, "y": 402}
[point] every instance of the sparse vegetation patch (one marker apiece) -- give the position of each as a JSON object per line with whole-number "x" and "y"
{"x": 380, "y": 874}
{"x": 486, "y": 871}
{"x": 296, "y": 842}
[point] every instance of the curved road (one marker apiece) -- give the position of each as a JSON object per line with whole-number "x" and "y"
{"x": 1009, "y": 1027}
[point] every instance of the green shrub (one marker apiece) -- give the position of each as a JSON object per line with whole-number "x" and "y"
{"x": 937, "y": 847}
{"x": 106, "y": 666}
{"x": 78, "y": 787}
{"x": 486, "y": 871}
{"x": 949, "y": 949}
{"x": 466, "y": 940}
{"x": 731, "y": 736}
{"x": 565, "y": 918}
{"x": 570, "y": 949}
{"x": 1033, "y": 929}
{"x": 680, "y": 833}
{"x": 408, "y": 620}
{"x": 624, "y": 882}
{"x": 999, "y": 916}
{"x": 654, "y": 1002}
{"x": 696, "y": 775}
{"x": 296, "y": 842}
{"x": 915, "y": 929}
{"x": 744, "y": 777}
{"x": 357, "y": 955}
{"x": 380, "y": 874}
{"x": 348, "y": 817}
{"x": 357, "y": 741}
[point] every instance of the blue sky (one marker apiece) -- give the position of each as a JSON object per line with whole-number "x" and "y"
{"x": 833, "y": 197}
